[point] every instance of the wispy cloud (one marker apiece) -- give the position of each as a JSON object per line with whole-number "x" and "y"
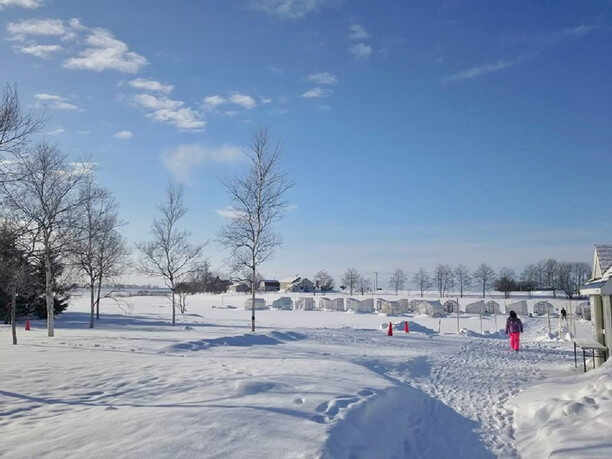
{"x": 20, "y": 31}
{"x": 30, "y": 4}
{"x": 357, "y": 32}
{"x": 95, "y": 49}
{"x": 579, "y": 30}
{"x": 174, "y": 112}
{"x": 185, "y": 160}
{"x": 150, "y": 85}
{"x": 228, "y": 212}
{"x": 481, "y": 69}
{"x": 55, "y": 102}
{"x": 323, "y": 78}
{"x": 56, "y": 131}
{"x": 235, "y": 98}
{"x": 290, "y": 9}
{"x": 316, "y": 93}
{"x": 123, "y": 135}
{"x": 360, "y": 51}
{"x": 42, "y": 51}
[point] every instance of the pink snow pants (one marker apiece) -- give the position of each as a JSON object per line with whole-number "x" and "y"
{"x": 515, "y": 339}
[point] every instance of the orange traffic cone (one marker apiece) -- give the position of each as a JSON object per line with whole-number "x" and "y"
{"x": 390, "y": 332}
{"x": 406, "y": 329}
{"x": 27, "y": 324}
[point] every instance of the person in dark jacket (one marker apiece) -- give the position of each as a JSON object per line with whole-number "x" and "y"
{"x": 563, "y": 314}
{"x": 514, "y": 328}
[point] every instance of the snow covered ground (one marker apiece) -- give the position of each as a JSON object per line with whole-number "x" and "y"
{"x": 306, "y": 384}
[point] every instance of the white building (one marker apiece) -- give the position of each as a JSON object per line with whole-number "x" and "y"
{"x": 260, "y": 303}
{"x": 599, "y": 289}
{"x": 430, "y": 308}
{"x": 520, "y": 307}
{"x": 391, "y": 307}
{"x": 492, "y": 307}
{"x": 304, "y": 304}
{"x": 543, "y": 307}
{"x": 478, "y": 307}
{"x": 284, "y": 302}
{"x": 451, "y": 306}
{"x": 329, "y": 304}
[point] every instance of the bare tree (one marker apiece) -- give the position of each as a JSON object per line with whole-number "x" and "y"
{"x": 484, "y": 276}
{"x": 350, "y": 279}
{"x": 398, "y": 280}
{"x": 443, "y": 277}
{"x": 363, "y": 284}
{"x": 259, "y": 201}
{"x": 45, "y": 199}
{"x": 16, "y": 125}
{"x": 324, "y": 281}
{"x": 169, "y": 254}
{"x": 96, "y": 230}
{"x": 462, "y": 275}
{"x": 422, "y": 280}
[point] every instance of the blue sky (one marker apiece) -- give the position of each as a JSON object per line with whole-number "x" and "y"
{"x": 416, "y": 133}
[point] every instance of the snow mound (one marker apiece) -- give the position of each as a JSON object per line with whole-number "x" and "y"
{"x": 412, "y": 326}
{"x": 246, "y": 340}
{"x": 485, "y": 334}
{"x": 566, "y": 417}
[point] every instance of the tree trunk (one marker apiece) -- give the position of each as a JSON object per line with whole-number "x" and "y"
{"x": 92, "y": 304}
{"x": 98, "y": 297}
{"x": 49, "y": 292}
{"x": 253, "y": 287}
{"x": 173, "y": 308}
{"x": 14, "y": 316}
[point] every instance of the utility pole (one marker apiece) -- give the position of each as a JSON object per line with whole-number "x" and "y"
{"x": 376, "y": 282}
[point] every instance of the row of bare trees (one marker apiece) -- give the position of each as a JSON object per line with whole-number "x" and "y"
{"x": 53, "y": 213}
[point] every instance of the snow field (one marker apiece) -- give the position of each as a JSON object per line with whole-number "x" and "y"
{"x": 306, "y": 384}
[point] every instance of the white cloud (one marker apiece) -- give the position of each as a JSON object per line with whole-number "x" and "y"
{"x": 105, "y": 52}
{"x": 316, "y": 93}
{"x": 360, "y": 51}
{"x": 357, "y": 32}
{"x": 184, "y": 160}
{"x": 212, "y": 102}
{"x": 55, "y": 102}
{"x": 228, "y": 212}
{"x": 242, "y": 100}
{"x": 236, "y": 98}
{"x": 578, "y": 31}
{"x": 482, "y": 69}
{"x": 123, "y": 135}
{"x": 170, "y": 111}
{"x": 42, "y": 51}
{"x": 36, "y": 27}
{"x": 265, "y": 100}
{"x": 55, "y": 131}
{"x": 30, "y": 4}
{"x": 151, "y": 85}
{"x": 290, "y": 9}
{"x": 323, "y": 78}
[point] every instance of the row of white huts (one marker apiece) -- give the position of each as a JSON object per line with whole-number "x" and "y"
{"x": 395, "y": 307}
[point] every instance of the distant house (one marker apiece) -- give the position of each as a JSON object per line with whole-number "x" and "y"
{"x": 297, "y": 284}
{"x": 269, "y": 285}
{"x": 599, "y": 289}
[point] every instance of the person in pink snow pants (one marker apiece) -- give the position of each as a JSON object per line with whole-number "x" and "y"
{"x": 514, "y": 328}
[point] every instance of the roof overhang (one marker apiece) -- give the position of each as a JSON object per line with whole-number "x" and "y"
{"x": 597, "y": 287}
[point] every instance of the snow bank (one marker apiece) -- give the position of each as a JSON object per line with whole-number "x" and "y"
{"x": 567, "y": 417}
